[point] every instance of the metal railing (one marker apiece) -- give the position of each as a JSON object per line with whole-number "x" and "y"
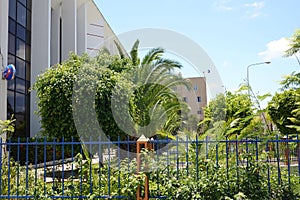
{"x": 58, "y": 169}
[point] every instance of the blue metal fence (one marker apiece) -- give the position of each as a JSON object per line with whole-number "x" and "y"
{"x": 59, "y": 169}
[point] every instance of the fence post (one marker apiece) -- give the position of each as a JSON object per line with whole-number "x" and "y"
{"x": 141, "y": 143}
{"x": 287, "y": 150}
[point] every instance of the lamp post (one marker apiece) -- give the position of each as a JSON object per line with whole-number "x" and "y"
{"x": 260, "y": 63}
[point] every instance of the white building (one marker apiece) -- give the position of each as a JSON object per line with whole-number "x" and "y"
{"x": 34, "y": 35}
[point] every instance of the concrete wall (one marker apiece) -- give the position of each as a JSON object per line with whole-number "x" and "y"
{"x": 69, "y": 27}
{"x": 40, "y": 51}
{"x": 3, "y": 56}
{"x": 107, "y": 36}
{"x": 82, "y": 12}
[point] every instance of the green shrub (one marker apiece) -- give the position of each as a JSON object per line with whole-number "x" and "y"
{"x": 205, "y": 179}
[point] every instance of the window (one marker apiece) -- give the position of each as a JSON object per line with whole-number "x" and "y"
{"x": 195, "y": 87}
{"x": 19, "y": 48}
{"x": 11, "y": 84}
{"x": 20, "y": 85}
{"x": 20, "y": 68}
{"x": 185, "y": 99}
{"x": 11, "y": 59}
{"x": 12, "y": 26}
{"x": 20, "y": 51}
{"x": 198, "y": 99}
{"x": 21, "y": 32}
{"x": 199, "y": 112}
{"x": 12, "y": 9}
{"x": 20, "y": 123}
{"x": 20, "y": 103}
{"x": 23, "y": 2}
{"x": 10, "y": 102}
{"x": 11, "y": 44}
{"x": 21, "y": 14}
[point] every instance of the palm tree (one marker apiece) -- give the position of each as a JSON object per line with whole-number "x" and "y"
{"x": 153, "y": 105}
{"x": 294, "y": 45}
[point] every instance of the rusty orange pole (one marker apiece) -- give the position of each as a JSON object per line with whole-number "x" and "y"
{"x": 142, "y": 141}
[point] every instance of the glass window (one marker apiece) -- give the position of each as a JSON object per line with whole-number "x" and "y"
{"x": 20, "y": 68}
{"x": 21, "y": 14}
{"x": 199, "y": 112}
{"x": 12, "y": 9}
{"x": 19, "y": 41}
{"x": 24, "y": 2}
{"x": 10, "y": 102}
{"x": 20, "y": 49}
{"x": 11, "y": 84}
{"x": 195, "y": 87}
{"x": 20, "y": 103}
{"x": 20, "y": 126}
{"x": 11, "y": 44}
{"x": 20, "y": 85}
{"x": 198, "y": 99}
{"x": 21, "y": 32}
{"x": 185, "y": 99}
{"x": 12, "y": 26}
{"x": 11, "y": 59}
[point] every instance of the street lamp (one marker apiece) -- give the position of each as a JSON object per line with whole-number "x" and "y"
{"x": 260, "y": 63}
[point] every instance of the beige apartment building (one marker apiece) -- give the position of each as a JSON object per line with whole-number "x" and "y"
{"x": 195, "y": 97}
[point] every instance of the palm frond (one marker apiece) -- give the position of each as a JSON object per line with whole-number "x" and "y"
{"x": 153, "y": 54}
{"x": 134, "y": 53}
{"x": 122, "y": 55}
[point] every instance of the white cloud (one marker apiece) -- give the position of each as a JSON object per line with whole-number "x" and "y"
{"x": 254, "y": 9}
{"x": 250, "y": 10}
{"x": 255, "y": 15}
{"x": 275, "y": 49}
{"x": 256, "y": 5}
{"x": 223, "y": 5}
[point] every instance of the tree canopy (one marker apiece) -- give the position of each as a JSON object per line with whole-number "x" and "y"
{"x": 118, "y": 86}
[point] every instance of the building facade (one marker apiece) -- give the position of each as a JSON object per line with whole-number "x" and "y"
{"x": 195, "y": 97}
{"x": 36, "y": 34}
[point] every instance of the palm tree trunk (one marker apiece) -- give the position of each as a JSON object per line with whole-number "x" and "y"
{"x": 297, "y": 59}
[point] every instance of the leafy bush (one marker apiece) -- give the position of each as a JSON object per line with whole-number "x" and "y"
{"x": 7, "y": 126}
{"x": 204, "y": 180}
{"x": 55, "y": 91}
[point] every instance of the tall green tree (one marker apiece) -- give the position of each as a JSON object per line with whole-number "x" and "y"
{"x": 231, "y": 112}
{"x": 284, "y": 106}
{"x": 294, "y": 43}
{"x": 281, "y": 109}
{"x": 153, "y": 104}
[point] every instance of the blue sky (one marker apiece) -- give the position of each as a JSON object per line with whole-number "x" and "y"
{"x": 234, "y": 33}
